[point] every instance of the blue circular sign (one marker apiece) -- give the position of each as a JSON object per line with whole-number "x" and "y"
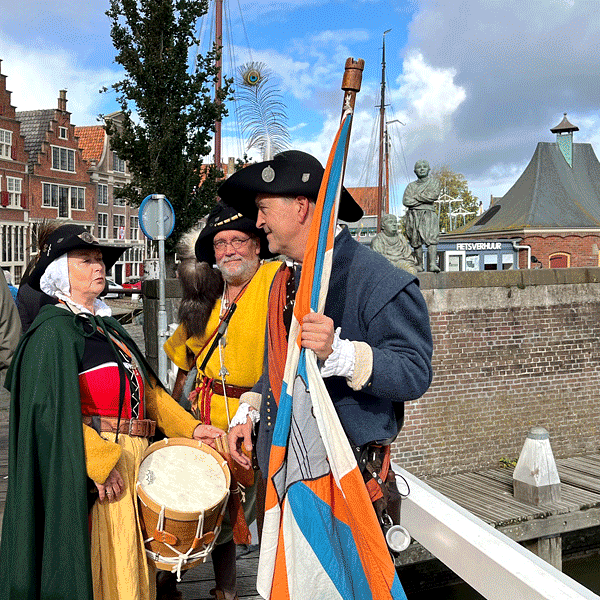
{"x": 149, "y": 216}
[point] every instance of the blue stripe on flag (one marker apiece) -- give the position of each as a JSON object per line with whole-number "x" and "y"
{"x": 284, "y": 418}
{"x": 331, "y": 541}
{"x": 332, "y": 186}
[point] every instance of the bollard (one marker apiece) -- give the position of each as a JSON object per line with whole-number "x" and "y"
{"x": 535, "y": 478}
{"x": 536, "y": 481}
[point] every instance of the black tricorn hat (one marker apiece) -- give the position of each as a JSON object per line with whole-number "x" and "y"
{"x": 71, "y": 237}
{"x": 225, "y": 218}
{"x": 291, "y": 172}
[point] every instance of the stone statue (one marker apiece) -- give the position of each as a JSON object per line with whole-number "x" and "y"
{"x": 393, "y": 245}
{"x": 422, "y": 222}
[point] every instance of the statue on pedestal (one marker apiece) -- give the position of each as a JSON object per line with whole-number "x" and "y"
{"x": 393, "y": 245}
{"x": 422, "y": 222}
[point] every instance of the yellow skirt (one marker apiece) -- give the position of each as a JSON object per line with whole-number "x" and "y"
{"x": 120, "y": 570}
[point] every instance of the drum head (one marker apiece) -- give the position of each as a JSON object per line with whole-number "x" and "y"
{"x": 183, "y": 478}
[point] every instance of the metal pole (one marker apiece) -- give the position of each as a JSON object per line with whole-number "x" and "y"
{"x": 162, "y": 305}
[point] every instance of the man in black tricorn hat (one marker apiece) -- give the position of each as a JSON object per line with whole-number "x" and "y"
{"x": 373, "y": 341}
{"x": 234, "y": 244}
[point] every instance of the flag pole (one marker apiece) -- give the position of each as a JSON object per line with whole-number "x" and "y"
{"x": 351, "y": 84}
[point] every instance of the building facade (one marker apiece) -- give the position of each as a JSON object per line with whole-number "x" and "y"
{"x": 14, "y": 213}
{"x": 552, "y": 212}
{"x": 116, "y": 221}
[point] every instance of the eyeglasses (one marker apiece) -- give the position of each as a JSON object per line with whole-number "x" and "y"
{"x": 235, "y": 243}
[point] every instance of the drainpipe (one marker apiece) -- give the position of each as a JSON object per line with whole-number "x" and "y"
{"x": 524, "y": 247}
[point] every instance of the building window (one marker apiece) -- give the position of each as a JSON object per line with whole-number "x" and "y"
{"x": 102, "y": 194}
{"x": 119, "y": 201}
{"x": 490, "y": 262}
{"x": 134, "y": 225}
{"x": 119, "y": 227}
{"x": 63, "y": 159}
{"x": 78, "y": 198}
{"x": 63, "y": 197}
{"x": 5, "y": 144}
{"x": 118, "y": 164}
{"x": 63, "y": 133}
{"x": 103, "y": 225}
{"x": 13, "y": 186}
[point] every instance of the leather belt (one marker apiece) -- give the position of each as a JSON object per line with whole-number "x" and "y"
{"x": 134, "y": 427}
{"x": 232, "y": 391}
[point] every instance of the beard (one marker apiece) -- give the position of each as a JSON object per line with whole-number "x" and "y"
{"x": 237, "y": 270}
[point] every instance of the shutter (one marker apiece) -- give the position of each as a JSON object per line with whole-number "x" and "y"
{"x": 23, "y": 201}
{"x": 4, "y": 198}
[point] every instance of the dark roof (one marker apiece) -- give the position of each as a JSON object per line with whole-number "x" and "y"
{"x": 549, "y": 194}
{"x": 34, "y": 125}
{"x": 564, "y": 126}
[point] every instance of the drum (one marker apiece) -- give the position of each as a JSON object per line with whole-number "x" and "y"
{"x": 182, "y": 489}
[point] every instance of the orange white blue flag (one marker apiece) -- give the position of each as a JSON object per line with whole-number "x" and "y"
{"x": 321, "y": 538}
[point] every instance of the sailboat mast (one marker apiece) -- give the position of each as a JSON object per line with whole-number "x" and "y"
{"x": 382, "y": 140}
{"x": 219, "y": 64}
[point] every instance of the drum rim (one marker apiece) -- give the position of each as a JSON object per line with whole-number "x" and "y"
{"x": 171, "y": 513}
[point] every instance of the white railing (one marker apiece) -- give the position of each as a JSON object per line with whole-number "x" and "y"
{"x": 490, "y": 562}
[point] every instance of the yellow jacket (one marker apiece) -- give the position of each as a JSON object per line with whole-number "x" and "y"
{"x": 243, "y": 352}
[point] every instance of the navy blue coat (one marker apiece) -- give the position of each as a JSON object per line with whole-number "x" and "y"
{"x": 373, "y": 302}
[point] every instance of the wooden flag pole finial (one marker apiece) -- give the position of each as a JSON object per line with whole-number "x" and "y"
{"x": 352, "y": 81}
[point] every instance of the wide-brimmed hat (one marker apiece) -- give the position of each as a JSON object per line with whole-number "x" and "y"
{"x": 225, "y": 218}
{"x": 71, "y": 237}
{"x": 292, "y": 173}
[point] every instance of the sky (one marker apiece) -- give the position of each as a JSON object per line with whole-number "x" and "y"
{"x": 471, "y": 85}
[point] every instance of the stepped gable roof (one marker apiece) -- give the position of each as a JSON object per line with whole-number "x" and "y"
{"x": 549, "y": 194}
{"x": 366, "y": 198}
{"x": 91, "y": 141}
{"x": 34, "y": 126}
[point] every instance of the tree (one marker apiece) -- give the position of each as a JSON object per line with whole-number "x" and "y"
{"x": 165, "y": 144}
{"x": 455, "y": 186}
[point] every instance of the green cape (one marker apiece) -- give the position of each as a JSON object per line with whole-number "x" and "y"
{"x": 45, "y": 548}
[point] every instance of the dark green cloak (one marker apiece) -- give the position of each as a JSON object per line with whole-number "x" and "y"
{"x": 45, "y": 548}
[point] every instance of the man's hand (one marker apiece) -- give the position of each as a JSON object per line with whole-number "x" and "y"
{"x": 317, "y": 334}
{"x": 112, "y": 488}
{"x": 207, "y": 434}
{"x": 238, "y": 435}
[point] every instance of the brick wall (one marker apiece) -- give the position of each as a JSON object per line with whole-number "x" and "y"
{"x": 512, "y": 350}
{"x": 581, "y": 248}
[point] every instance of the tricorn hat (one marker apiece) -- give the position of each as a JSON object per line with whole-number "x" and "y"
{"x": 225, "y": 218}
{"x": 289, "y": 173}
{"x": 71, "y": 237}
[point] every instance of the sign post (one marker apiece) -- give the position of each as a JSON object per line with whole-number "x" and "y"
{"x": 157, "y": 220}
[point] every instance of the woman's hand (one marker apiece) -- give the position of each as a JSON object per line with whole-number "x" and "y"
{"x": 112, "y": 488}
{"x": 207, "y": 434}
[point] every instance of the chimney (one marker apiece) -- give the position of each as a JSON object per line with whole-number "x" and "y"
{"x": 62, "y": 100}
{"x": 564, "y": 138}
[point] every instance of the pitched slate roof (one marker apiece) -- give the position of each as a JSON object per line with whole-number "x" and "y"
{"x": 91, "y": 141}
{"x": 549, "y": 194}
{"x": 34, "y": 125}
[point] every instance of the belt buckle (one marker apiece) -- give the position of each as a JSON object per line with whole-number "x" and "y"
{"x": 131, "y": 425}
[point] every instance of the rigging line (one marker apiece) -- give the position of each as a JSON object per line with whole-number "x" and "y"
{"x": 237, "y": 142}
{"x": 245, "y": 32}
{"x": 366, "y": 175}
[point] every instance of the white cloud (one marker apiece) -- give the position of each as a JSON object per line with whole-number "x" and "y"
{"x": 430, "y": 92}
{"x": 36, "y": 76}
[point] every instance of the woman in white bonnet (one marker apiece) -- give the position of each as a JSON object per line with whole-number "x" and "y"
{"x": 84, "y": 402}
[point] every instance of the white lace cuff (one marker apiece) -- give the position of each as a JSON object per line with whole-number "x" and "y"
{"x": 243, "y": 412}
{"x": 340, "y": 363}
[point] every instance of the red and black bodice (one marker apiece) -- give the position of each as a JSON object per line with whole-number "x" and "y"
{"x": 99, "y": 381}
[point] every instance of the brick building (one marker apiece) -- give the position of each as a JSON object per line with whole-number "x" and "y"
{"x": 14, "y": 214}
{"x": 116, "y": 221}
{"x": 58, "y": 183}
{"x": 552, "y": 212}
